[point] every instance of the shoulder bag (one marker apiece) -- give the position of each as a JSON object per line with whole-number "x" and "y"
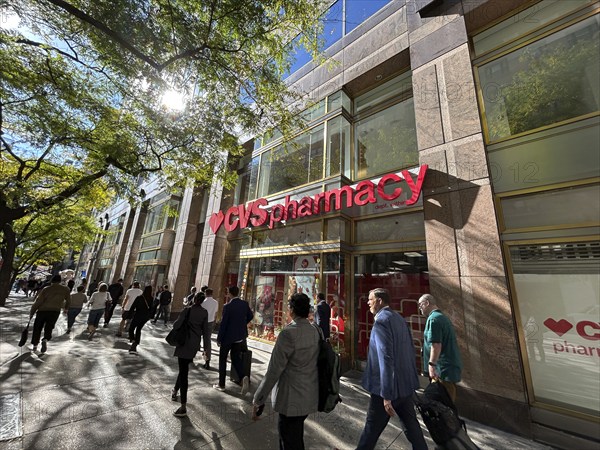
{"x": 178, "y": 336}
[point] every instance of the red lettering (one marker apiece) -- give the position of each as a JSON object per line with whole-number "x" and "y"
{"x": 294, "y": 205}
{"x": 306, "y": 205}
{"x": 415, "y": 189}
{"x": 277, "y": 212}
{"x": 231, "y": 213}
{"x": 316, "y": 203}
{"x": 581, "y": 330}
{"x": 337, "y": 194}
{"x": 365, "y": 189}
{"x": 260, "y": 214}
{"x": 381, "y": 187}
{"x": 245, "y": 214}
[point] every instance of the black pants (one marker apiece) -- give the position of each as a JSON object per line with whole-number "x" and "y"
{"x": 291, "y": 432}
{"x": 236, "y": 349}
{"x": 108, "y": 313}
{"x": 43, "y": 320}
{"x": 181, "y": 384}
{"x": 135, "y": 329}
{"x": 163, "y": 310}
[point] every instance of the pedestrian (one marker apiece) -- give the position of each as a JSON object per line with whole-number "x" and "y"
{"x": 233, "y": 332}
{"x": 47, "y": 308}
{"x": 391, "y": 375}
{"x": 97, "y": 305}
{"x": 140, "y": 311}
{"x": 131, "y": 294}
{"x": 211, "y": 306}
{"x": 323, "y": 315}
{"x": 441, "y": 356}
{"x": 92, "y": 288}
{"x": 292, "y": 371}
{"x": 164, "y": 305}
{"x": 116, "y": 292}
{"x": 77, "y": 300}
{"x": 189, "y": 299}
{"x": 196, "y": 317}
{"x": 71, "y": 284}
{"x": 31, "y": 285}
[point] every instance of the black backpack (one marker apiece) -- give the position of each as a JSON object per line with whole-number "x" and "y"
{"x": 328, "y": 365}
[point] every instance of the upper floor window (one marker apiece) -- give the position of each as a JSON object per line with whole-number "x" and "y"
{"x": 161, "y": 216}
{"x": 553, "y": 79}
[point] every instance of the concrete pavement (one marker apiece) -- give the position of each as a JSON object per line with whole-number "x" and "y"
{"x": 95, "y": 395}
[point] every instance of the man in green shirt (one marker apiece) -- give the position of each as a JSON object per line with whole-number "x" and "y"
{"x": 441, "y": 356}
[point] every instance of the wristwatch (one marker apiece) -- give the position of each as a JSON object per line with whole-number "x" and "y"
{"x": 432, "y": 364}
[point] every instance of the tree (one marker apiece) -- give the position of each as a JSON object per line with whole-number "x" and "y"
{"x": 81, "y": 94}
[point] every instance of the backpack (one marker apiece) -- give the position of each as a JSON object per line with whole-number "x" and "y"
{"x": 328, "y": 365}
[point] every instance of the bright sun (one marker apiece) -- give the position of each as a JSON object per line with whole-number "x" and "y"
{"x": 9, "y": 21}
{"x": 173, "y": 100}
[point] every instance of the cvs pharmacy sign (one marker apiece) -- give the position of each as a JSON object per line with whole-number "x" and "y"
{"x": 259, "y": 212}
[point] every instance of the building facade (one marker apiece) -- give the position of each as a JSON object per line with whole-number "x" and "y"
{"x": 452, "y": 148}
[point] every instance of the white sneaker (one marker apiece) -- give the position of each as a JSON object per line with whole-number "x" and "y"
{"x": 218, "y": 388}
{"x": 245, "y": 385}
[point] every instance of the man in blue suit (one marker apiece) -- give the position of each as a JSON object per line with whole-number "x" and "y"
{"x": 391, "y": 374}
{"x": 232, "y": 337}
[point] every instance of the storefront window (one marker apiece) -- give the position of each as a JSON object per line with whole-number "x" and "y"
{"x": 150, "y": 275}
{"x": 271, "y": 281}
{"x": 387, "y": 140}
{"x": 405, "y": 276}
{"x": 548, "y": 81}
{"x": 557, "y": 287}
{"x": 335, "y": 294}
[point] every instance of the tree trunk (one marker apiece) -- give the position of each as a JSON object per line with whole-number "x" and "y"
{"x": 8, "y": 256}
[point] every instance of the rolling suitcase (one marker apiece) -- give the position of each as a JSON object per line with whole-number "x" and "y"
{"x": 246, "y": 364}
{"x": 441, "y": 418}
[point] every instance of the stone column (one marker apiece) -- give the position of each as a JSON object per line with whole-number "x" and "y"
{"x": 133, "y": 244}
{"x": 180, "y": 267}
{"x": 121, "y": 245}
{"x": 211, "y": 261}
{"x": 463, "y": 245}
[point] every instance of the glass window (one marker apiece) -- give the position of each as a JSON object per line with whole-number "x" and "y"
{"x": 388, "y": 90}
{"x": 338, "y": 147}
{"x": 299, "y": 57}
{"x": 400, "y": 227}
{"x": 288, "y": 235}
{"x": 405, "y": 276}
{"x": 524, "y": 22}
{"x": 387, "y": 140}
{"x": 338, "y": 230}
{"x": 548, "y": 81}
{"x": 357, "y": 11}
{"x": 247, "y": 181}
{"x": 333, "y": 24}
{"x": 151, "y": 241}
{"x": 555, "y": 208}
{"x": 557, "y": 287}
{"x": 292, "y": 164}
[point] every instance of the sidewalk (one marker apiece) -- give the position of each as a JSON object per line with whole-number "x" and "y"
{"x": 95, "y": 395}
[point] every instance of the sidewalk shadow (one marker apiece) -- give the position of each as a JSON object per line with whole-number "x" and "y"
{"x": 190, "y": 437}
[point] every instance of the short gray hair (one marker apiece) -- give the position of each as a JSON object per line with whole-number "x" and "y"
{"x": 428, "y": 297}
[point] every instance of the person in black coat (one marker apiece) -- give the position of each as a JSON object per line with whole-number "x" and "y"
{"x": 197, "y": 320}
{"x": 140, "y": 311}
{"x": 323, "y": 315}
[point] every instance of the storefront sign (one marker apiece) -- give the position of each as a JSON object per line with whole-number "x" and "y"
{"x": 258, "y": 212}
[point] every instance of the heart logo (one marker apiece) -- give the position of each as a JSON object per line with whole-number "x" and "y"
{"x": 560, "y": 327}
{"x": 216, "y": 220}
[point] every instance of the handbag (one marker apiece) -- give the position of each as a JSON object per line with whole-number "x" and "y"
{"x": 24, "y": 334}
{"x": 178, "y": 336}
